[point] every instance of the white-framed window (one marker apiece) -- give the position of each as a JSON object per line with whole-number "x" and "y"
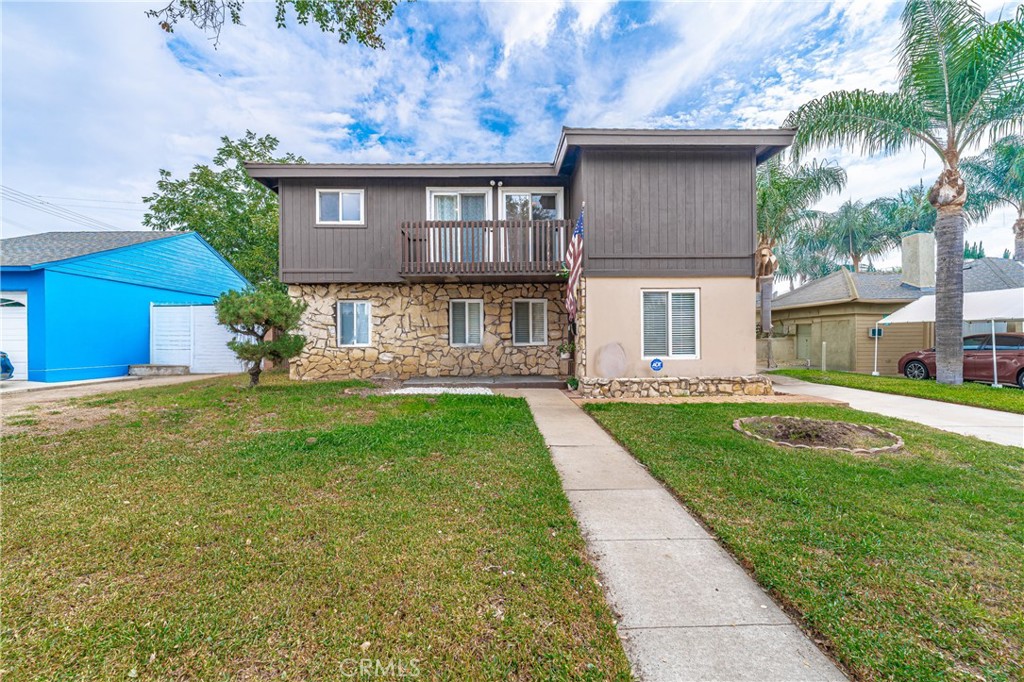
{"x": 354, "y": 323}
{"x": 530, "y": 203}
{"x": 340, "y": 207}
{"x": 459, "y": 203}
{"x": 466, "y": 244}
{"x": 529, "y": 322}
{"x": 466, "y": 322}
{"x": 670, "y": 323}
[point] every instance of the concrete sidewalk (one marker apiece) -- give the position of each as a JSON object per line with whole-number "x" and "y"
{"x": 687, "y": 610}
{"x": 1004, "y": 428}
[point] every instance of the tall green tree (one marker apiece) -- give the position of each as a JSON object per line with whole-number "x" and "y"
{"x": 235, "y": 214}
{"x": 960, "y": 80}
{"x": 996, "y": 177}
{"x": 785, "y": 194}
{"x": 359, "y": 20}
{"x": 856, "y": 231}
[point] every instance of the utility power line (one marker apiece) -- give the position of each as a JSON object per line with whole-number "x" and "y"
{"x": 29, "y": 201}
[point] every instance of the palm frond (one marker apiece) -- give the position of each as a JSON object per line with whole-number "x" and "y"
{"x": 995, "y": 177}
{"x": 879, "y": 122}
{"x": 993, "y": 66}
{"x": 937, "y": 36}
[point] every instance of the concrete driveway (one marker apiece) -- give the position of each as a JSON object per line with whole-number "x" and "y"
{"x": 1004, "y": 428}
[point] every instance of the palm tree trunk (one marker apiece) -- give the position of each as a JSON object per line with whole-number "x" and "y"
{"x": 949, "y": 295}
{"x": 1018, "y": 238}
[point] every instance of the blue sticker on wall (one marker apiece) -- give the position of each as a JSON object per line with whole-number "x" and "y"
{"x": 657, "y": 364}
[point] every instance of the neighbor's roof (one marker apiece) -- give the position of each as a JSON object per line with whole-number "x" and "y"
{"x": 983, "y": 274}
{"x": 766, "y": 143}
{"x": 49, "y": 247}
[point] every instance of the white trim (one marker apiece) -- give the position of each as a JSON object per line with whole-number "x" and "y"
{"x": 487, "y": 191}
{"x": 559, "y": 192}
{"x": 451, "y": 326}
{"x": 342, "y": 190}
{"x": 531, "y": 301}
{"x": 337, "y": 324}
{"x": 668, "y": 315}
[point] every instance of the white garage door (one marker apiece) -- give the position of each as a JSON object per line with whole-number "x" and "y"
{"x": 14, "y": 330}
{"x": 189, "y": 335}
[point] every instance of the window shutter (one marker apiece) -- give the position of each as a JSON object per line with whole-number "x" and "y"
{"x": 539, "y": 321}
{"x": 474, "y": 317}
{"x": 521, "y": 322}
{"x": 684, "y": 323}
{"x": 655, "y": 321}
{"x": 458, "y": 322}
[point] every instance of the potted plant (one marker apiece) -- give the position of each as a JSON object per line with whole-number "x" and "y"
{"x": 573, "y": 383}
{"x": 566, "y": 350}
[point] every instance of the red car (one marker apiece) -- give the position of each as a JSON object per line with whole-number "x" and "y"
{"x": 920, "y": 364}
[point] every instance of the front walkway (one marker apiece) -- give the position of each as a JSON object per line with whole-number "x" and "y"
{"x": 1004, "y": 428}
{"x": 687, "y": 610}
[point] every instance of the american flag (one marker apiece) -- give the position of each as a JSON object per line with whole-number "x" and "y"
{"x": 574, "y": 261}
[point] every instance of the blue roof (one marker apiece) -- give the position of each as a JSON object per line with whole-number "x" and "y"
{"x": 174, "y": 261}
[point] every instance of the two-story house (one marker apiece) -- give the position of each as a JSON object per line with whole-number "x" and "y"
{"x": 455, "y": 269}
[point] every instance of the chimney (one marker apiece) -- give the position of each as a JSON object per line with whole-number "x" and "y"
{"x": 919, "y": 259}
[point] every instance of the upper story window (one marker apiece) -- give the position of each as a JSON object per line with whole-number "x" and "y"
{"x": 458, "y": 203}
{"x": 340, "y": 207}
{"x": 530, "y": 203}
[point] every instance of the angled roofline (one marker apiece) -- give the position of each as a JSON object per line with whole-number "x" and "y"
{"x": 766, "y": 143}
{"x": 172, "y": 236}
{"x": 47, "y": 263}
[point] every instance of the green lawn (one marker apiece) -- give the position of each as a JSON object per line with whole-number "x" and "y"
{"x": 206, "y": 531}
{"x": 1007, "y": 399}
{"x": 911, "y": 565}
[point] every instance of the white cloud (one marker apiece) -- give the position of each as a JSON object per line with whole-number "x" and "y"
{"x": 96, "y": 98}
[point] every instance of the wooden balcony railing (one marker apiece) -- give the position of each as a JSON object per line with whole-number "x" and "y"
{"x": 484, "y": 247}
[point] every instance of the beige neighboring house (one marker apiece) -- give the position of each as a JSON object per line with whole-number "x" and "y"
{"x": 841, "y": 309}
{"x": 438, "y": 270}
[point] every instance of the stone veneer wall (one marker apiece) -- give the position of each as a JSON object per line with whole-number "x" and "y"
{"x": 409, "y": 334}
{"x": 580, "y": 342}
{"x": 665, "y": 387}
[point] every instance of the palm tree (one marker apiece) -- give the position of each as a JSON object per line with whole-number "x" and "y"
{"x": 908, "y": 211}
{"x": 785, "y": 194}
{"x": 997, "y": 177}
{"x": 856, "y": 231}
{"x": 804, "y": 257}
{"x": 960, "y": 79}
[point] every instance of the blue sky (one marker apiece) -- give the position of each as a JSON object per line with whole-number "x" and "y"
{"x": 96, "y": 98}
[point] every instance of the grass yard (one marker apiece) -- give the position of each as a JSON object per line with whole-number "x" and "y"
{"x": 911, "y": 565}
{"x": 206, "y": 531}
{"x": 1006, "y": 399}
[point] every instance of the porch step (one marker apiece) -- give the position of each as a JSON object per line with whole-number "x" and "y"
{"x": 508, "y": 381}
{"x": 157, "y": 370}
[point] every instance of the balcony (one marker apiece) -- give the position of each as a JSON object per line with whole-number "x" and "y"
{"x": 484, "y": 250}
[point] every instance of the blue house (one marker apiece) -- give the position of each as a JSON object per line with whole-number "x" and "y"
{"x": 76, "y": 305}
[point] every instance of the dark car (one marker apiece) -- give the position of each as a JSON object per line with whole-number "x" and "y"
{"x": 920, "y": 364}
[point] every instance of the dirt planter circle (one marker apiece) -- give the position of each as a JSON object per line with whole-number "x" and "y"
{"x": 836, "y": 429}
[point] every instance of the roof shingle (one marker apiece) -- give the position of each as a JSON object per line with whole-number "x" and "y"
{"x": 48, "y": 247}
{"x": 983, "y": 274}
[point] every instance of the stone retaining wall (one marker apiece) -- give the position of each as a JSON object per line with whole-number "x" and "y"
{"x": 663, "y": 387}
{"x": 409, "y": 334}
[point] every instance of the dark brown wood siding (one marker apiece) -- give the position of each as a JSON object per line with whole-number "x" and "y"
{"x": 370, "y": 253}
{"x": 667, "y": 212}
